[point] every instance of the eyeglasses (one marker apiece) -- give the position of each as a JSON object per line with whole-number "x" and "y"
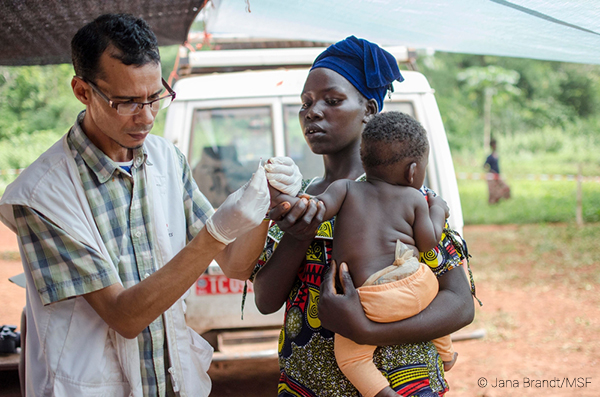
{"x": 133, "y": 108}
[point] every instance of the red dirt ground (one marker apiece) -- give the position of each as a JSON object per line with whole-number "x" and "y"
{"x": 536, "y": 331}
{"x": 546, "y": 332}
{"x": 12, "y": 297}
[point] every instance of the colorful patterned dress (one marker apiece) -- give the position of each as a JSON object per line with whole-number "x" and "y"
{"x": 306, "y": 357}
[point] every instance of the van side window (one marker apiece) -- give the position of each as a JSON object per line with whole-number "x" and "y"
{"x": 226, "y": 146}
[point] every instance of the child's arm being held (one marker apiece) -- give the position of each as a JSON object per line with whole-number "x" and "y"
{"x": 332, "y": 198}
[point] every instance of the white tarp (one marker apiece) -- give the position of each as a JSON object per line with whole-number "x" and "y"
{"x": 553, "y": 30}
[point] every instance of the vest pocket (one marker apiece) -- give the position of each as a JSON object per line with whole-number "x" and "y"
{"x": 201, "y": 351}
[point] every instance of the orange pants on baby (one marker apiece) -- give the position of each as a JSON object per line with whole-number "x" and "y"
{"x": 385, "y": 303}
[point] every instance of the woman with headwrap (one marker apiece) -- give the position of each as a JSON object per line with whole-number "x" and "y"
{"x": 346, "y": 85}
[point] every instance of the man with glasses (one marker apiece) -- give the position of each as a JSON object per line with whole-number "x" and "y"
{"x": 111, "y": 232}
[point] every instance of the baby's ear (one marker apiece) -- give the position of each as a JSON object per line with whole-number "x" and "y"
{"x": 410, "y": 172}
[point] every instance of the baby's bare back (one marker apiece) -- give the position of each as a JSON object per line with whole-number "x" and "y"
{"x": 371, "y": 219}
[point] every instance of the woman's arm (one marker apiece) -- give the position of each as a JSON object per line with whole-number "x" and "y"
{"x": 275, "y": 279}
{"x": 451, "y": 310}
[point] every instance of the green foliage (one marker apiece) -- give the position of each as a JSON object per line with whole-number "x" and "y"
{"x": 579, "y": 90}
{"x": 496, "y": 78}
{"x": 530, "y": 96}
{"x": 36, "y": 98}
{"x": 21, "y": 150}
{"x": 167, "y": 57}
{"x": 550, "y": 150}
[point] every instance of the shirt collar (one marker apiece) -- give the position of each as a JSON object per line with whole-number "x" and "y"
{"x": 102, "y": 165}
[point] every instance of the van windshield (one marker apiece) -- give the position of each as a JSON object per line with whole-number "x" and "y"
{"x": 226, "y": 147}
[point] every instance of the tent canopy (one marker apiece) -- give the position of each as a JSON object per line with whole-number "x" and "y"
{"x": 38, "y": 32}
{"x": 566, "y": 31}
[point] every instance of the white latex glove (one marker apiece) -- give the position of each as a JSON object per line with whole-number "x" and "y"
{"x": 242, "y": 210}
{"x": 284, "y": 175}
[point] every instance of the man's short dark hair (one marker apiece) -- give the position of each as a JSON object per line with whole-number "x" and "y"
{"x": 132, "y": 37}
{"x": 390, "y": 137}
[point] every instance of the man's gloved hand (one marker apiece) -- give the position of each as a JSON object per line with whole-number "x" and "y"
{"x": 284, "y": 175}
{"x": 242, "y": 210}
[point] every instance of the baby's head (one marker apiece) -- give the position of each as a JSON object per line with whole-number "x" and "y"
{"x": 394, "y": 148}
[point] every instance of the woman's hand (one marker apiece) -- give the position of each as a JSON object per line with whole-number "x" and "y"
{"x": 301, "y": 221}
{"x": 342, "y": 313}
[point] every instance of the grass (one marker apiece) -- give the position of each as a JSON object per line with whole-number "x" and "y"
{"x": 549, "y": 151}
{"x": 531, "y": 202}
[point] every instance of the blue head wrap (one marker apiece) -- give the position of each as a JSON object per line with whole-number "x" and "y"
{"x": 369, "y": 68}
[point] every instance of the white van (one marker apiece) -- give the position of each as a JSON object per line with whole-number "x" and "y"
{"x": 225, "y": 123}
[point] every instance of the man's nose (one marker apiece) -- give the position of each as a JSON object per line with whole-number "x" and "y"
{"x": 146, "y": 116}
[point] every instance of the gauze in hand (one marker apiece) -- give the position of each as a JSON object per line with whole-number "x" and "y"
{"x": 284, "y": 175}
{"x": 242, "y": 210}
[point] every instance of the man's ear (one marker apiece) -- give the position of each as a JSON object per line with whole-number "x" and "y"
{"x": 410, "y": 172}
{"x": 370, "y": 110}
{"x": 81, "y": 90}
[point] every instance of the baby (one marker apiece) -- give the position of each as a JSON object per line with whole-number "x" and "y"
{"x": 381, "y": 226}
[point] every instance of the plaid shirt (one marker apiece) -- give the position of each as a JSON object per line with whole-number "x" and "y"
{"x": 63, "y": 267}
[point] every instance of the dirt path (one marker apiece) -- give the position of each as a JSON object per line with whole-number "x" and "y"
{"x": 541, "y": 333}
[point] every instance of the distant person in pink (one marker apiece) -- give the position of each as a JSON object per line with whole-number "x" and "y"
{"x": 497, "y": 188}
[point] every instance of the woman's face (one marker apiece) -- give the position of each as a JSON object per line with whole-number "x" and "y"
{"x": 333, "y": 112}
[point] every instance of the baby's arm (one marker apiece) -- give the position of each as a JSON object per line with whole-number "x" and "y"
{"x": 278, "y": 197}
{"x": 438, "y": 212}
{"x": 430, "y": 218}
{"x": 332, "y": 198}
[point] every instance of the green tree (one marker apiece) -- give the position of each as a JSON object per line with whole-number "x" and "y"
{"x": 491, "y": 83}
{"x": 36, "y": 98}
